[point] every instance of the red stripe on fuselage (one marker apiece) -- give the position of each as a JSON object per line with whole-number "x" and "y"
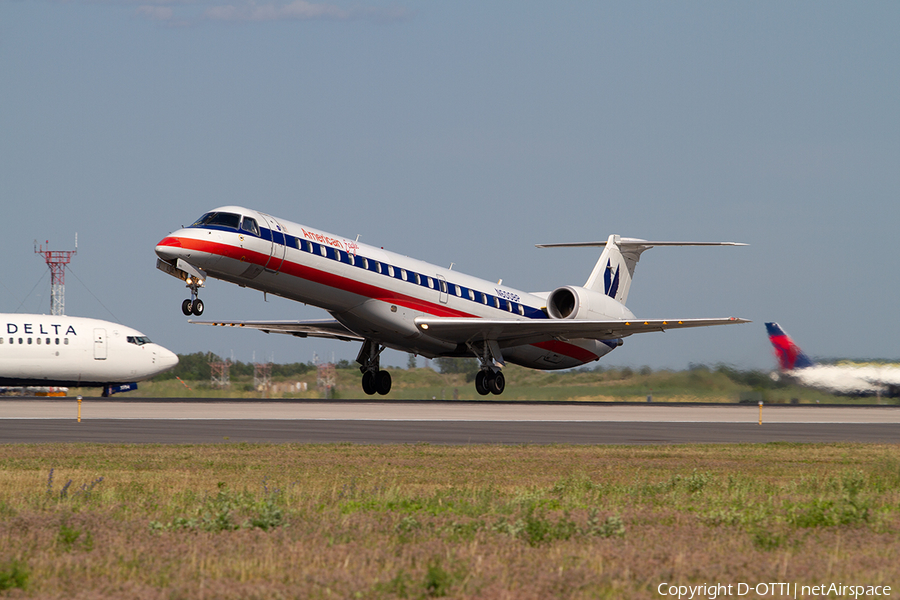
{"x": 357, "y": 287}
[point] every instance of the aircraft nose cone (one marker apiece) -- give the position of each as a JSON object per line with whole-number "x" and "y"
{"x": 169, "y": 248}
{"x": 166, "y": 359}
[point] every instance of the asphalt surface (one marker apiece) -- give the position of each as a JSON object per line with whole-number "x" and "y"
{"x": 183, "y": 421}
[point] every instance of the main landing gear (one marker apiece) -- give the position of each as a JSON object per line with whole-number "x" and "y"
{"x": 490, "y": 379}
{"x": 193, "y": 305}
{"x": 374, "y": 380}
{"x": 490, "y": 382}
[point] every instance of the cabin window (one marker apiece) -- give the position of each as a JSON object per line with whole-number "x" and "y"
{"x": 496, "y": 302}
{"x": 1, "y": 340}
{"x": 471, "y": 295}
{"x": 39, "y": 341}
{"x": 521, "y": 310}
{"x": 65, "y": 341}
{"x": 390, "y": 270}
{"x": 323, "y": 250}
{"x": 429, "y": 282}
{"x": 459, "y": 291}
{"x": 48, "y": 341}
{"x": 57, "y": 341}
{"x": 29, "y": 341}
{"x": 249, "y": 225}
{"x": 403, "y": 275}
{"x": 291, "y": 241}
{"x": 510, "y": 306}
{"x": 418, "y": 279}
{"x": 21, "y": 341}
{"x": 365, "y": 263}
{"x": 378, "y": 268}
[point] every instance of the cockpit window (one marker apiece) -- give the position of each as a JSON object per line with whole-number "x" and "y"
{"x": 202, "y": 220}
{"x": 249, "y": 225}
{"x": 138, "y": 340}
{"x": 222, "y": 219}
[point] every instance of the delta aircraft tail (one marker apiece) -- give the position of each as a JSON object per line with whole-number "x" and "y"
{"x": 789, "y": 354}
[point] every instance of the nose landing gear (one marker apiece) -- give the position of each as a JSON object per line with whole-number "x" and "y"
{"x": 193, "y": 305}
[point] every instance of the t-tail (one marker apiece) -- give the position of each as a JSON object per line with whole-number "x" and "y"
{"x": 614, "y": 271}
{"x": 789, "y": 354}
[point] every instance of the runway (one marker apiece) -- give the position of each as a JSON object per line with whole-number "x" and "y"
{"x": 191, "y": 421}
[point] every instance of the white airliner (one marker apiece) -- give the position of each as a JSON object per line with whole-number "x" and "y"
{"x": 56, "y": 350}
{"x": 843, "y": 379}
{"x": 387, "y": 300}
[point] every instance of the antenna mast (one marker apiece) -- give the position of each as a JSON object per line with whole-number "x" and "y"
{"x": 57, "y": 261}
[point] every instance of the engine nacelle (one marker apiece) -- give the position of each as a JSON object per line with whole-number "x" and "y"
{"x": 574, "y": 302}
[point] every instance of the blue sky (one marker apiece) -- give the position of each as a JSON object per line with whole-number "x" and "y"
{"x": 466, "y": 132}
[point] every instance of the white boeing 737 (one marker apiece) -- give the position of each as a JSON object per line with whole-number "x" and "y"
{"x": 56, "y": 350}
{"x": 387, "y": 300}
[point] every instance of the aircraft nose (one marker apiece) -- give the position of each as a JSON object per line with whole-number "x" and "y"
{"x": 169, "y": 248}
{"x": 166, "y": 359}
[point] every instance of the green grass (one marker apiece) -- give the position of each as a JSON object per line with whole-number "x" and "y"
{"x": 419, "y": 521}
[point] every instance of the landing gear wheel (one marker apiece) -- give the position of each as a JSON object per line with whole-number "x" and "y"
{"x": 186, "y": 308}
{"x": 481, "y": 384}
{"x": 197, "y": 309}
{"x": 497, "y": 383}
{"x": 383, "y": 382}
{"x": 368, "y": 383}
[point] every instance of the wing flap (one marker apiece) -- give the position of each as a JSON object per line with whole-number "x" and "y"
{"x": 530, "y": 331}
{"x": 319, "y": 328}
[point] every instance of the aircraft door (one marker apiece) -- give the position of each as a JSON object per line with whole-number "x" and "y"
{"x": 100, "y": 344}
{"x": 276, "y": 252}
{"x": 442, "y": 288}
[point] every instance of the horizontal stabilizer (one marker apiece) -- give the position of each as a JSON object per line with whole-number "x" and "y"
{"x": 613, "y": 273}
{"x": 635, "y": 242}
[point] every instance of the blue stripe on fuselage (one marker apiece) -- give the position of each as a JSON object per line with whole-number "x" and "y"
{"x": 342, "y": 256}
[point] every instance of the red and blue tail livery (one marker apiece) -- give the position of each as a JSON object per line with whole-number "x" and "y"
{"x": 789, "y": 354}
{"x": 844, "y": 378}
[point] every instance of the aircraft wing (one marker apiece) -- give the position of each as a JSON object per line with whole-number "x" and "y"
{"x": 320, "y": 328}
{"x": 529, "y": 331}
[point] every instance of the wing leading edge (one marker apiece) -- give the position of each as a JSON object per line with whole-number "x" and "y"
{"x": 319, "y": 328}
{"x": 530, "y": 331}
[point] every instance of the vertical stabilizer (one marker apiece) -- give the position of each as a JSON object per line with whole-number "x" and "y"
{"x": 614, "y": 271}
{"x": 789, "y": 354}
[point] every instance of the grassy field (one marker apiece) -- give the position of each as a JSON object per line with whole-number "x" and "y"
{"x": 420, "y": 521}
{"x": 612, "y": 385}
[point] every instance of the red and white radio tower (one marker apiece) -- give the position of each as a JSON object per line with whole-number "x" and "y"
{"x": 57, "y": 261}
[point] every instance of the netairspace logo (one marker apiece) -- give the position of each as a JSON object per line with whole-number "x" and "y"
{"x": 772, "y": 590}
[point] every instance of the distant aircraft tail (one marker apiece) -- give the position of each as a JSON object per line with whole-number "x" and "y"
{"x": 789, "y": 354}
{"x": 614, "y": 271}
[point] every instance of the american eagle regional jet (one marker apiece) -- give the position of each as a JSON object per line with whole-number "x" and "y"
{"x": 387, "y": 300}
